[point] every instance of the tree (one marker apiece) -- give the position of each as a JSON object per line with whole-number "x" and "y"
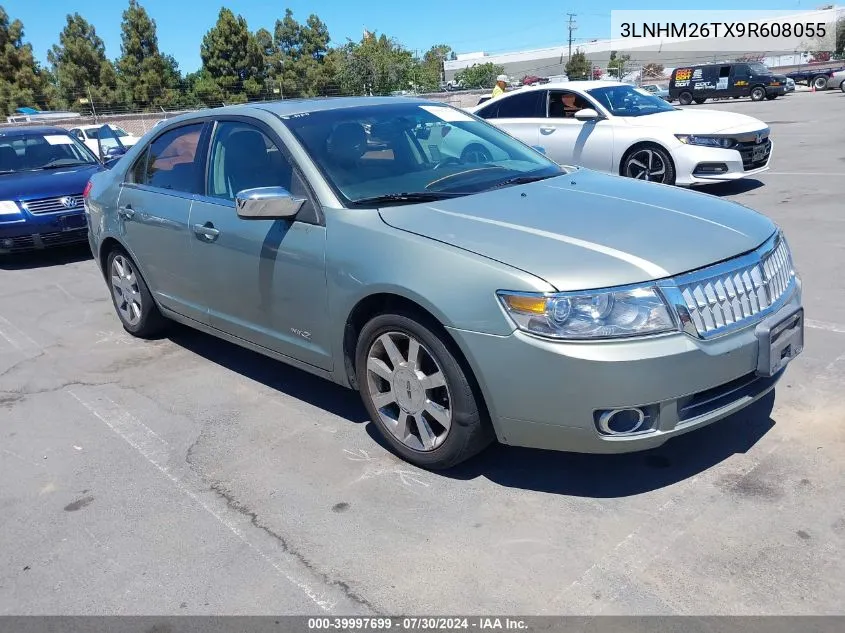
{"x": 22, "y": 81}
{"x": 479, "y": 75}
{"x": 653, "y": 71}
{"x": 377, "y": 65}
{"x": 232, "y": 58}
{"x": 821, "y": 56}
{"x": 431, "y": 66}
{"x": 145, "y": 76}
{"x": 298, "y": 58}
{"x": 577, "y": 67}
{"x": 840, "y": 37}
{"x": 617, "y": 66}
{"x": 80, "y": 67}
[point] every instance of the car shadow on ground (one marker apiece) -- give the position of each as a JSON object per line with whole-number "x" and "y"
{"x": 609, "y": 476}
{"x": 732, "y": 188}
{"x": 274, "y": 374}
{"x": 599, "y": 476}
{"x": 45, "y": 258}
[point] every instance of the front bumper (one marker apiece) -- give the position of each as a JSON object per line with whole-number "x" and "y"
{"x": 40, "y": 232}
{"x": 776, "y": 90}
{"x": 690, "y": 158}
{"x": 546, "y": 394}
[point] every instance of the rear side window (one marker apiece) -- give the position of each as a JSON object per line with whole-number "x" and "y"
{"x": 525, "y": 105}
{"x": 172, "y": 161}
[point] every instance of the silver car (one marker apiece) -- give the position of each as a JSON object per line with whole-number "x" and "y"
{"x": 504, "y": 298}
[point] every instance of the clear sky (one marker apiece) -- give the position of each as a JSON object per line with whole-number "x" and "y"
{"x": 466, "y": 25}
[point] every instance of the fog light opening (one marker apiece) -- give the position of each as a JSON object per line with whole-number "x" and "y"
{"x": 7, "y": 243}
{"x": 621, "y": 421}
{"x": 711, "y": 168}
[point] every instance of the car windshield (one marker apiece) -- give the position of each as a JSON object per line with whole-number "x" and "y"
{"x": 628, "y": 101}
{"x": 94, "y": 132}
{"x": 400, "y": 153}
{"x": 760, "y": 69}
{"x": 32, "y": 152}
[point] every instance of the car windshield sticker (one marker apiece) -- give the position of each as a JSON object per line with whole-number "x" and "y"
{"x": 449, "y": 115}
{"x": 58, "y": 139}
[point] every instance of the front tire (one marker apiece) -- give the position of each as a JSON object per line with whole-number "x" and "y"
{"x": 842, "y": 86}
{"x": 131, "y": 297}
{"x": 650, "y": 163}
{"x": 758, "y": 94}
{"x": 685, "y": 98}
{"x": 771, "y": 97}
{"x": 417, "y": 392}
{"x": 700, "y": 100}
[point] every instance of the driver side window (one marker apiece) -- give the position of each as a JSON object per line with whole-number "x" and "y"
{"x": 563, "y": 104}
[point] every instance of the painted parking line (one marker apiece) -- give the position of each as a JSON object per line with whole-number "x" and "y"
{"x": 158, "y": 453}
{"x": 825, "y": 325}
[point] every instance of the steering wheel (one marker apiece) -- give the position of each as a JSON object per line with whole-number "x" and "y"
{"x": 449, "y": 160}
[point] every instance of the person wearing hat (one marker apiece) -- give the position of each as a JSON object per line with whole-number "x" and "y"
{"x": 499, "y": 88}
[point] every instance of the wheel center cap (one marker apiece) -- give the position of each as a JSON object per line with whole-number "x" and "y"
{"x": 410, "y": 395}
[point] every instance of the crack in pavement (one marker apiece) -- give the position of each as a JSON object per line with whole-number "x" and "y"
{"x": 237, "y": 506}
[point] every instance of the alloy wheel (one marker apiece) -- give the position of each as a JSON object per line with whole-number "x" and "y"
{"x": 124, "y": 286}
{"x": 646, "y": 164}
{"x": 408, "y": 389}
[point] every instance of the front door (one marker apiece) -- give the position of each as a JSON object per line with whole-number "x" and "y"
{"x": 572, "y": 142}
{"x": 263, "y": 280}
{"x": 154, "y": 208}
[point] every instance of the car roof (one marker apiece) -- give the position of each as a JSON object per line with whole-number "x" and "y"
{"x": 289, "y": 107}
{"x": 35, "y": 129}
{"x": 573, "y": 85}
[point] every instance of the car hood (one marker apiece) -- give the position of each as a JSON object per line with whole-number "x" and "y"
{"x": 45, "y": 183}
{"x": 697, "y": 121}
{"x": 588, "y": 230}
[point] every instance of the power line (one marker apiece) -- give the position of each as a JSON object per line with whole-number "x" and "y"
{"x": 572, "y": 27}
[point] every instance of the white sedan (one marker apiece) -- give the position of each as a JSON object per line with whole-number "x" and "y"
{"x": 88, "y": 135}
{"x": 615, "y": 128}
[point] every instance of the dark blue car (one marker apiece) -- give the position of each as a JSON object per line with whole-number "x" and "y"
{"x": 43, "y": 173}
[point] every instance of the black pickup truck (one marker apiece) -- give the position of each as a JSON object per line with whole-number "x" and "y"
{"x": 814, "y": 77}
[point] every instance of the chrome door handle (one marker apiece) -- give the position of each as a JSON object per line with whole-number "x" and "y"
{"x": 127, "y": 212}
{"x": 548, "y": 129}
{"x": 206, "y": 231}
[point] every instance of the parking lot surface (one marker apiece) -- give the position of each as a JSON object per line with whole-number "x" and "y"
{"x": 188, "y": 476}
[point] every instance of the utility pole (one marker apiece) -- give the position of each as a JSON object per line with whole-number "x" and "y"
{"x": 572, "y": 27}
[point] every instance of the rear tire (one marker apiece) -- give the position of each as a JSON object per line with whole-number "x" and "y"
{"x": 842, "y": 86}
{"x": 820, "y": 82}
{"x": 685, "y": 98}
{"x": 758, "y": 93}
{"x": 417, "y": 392}
{"x": 131, "y": 297}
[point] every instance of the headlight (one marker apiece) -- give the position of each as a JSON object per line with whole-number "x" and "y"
{"x": 8, "y": 207}
{"x": 590, "y": 315}
{"x": 706, "y": 141}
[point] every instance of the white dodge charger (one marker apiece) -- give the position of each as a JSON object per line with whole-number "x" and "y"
{"x": 615, "y": 128}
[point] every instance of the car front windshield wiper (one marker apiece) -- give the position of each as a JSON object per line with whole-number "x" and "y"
{"x": 409, "y": 197}
{"x": 59, "y": 165}
{"x": 524, "y": 179}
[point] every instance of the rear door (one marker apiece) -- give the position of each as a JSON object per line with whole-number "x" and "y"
{"x": 154, "y": 209}
{"x": 262, "y": 280}
{"x": 520, "y": 114}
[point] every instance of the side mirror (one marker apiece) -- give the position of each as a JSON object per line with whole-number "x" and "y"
{"x": 587, "y": 114}
{"x": 110, "y": 162}
{"x": 539, "y": 148}
{"x": 267, "y": 203}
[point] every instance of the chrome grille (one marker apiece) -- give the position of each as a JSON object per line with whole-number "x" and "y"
{"x": 733, "y": 295}
{"x": 55, "y": 205}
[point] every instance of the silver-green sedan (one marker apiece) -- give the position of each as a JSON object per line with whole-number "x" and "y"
{"x": 471, "y": 289}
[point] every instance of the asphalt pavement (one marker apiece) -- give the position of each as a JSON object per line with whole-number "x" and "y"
{"x": 188, "y": 476}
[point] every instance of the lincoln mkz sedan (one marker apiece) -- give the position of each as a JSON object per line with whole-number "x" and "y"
{"x": 505, "y": 298}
